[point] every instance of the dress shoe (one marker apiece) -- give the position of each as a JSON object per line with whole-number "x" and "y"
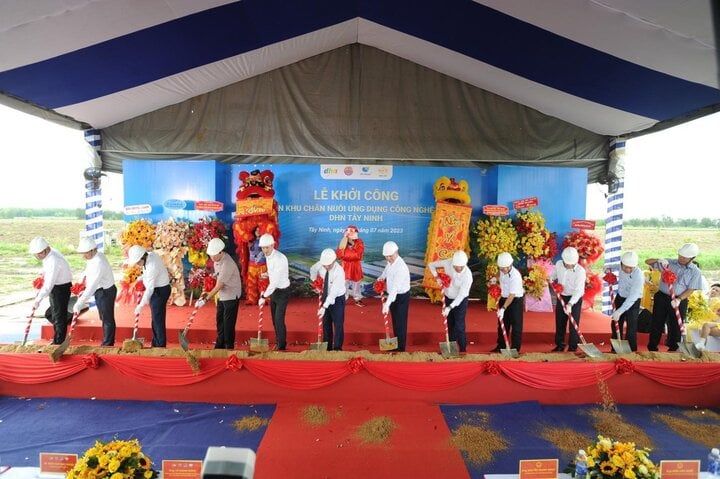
{"x": 572, "y": 350}
{"x": 558, "y": 349}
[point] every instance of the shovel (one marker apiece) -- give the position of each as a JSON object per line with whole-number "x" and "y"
{"x": 448, "y": 349}
{"x": 619, "y": 345}
{"x": 587, "y": 348}
{"x": 259, "y": 345}
{"x": 60, "y": 350}
{"x": 27, "y": 328}
{"x": 387, "y": 344}
{"x": 688, "y": 349}
{"x": 182, "y": 336}
{"x": 134, "y": 344}
{"x": 508, "y": 351}
{"x": 320, "y": 345}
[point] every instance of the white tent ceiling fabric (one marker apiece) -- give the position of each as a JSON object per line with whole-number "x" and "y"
{"x": 612, "y": 67}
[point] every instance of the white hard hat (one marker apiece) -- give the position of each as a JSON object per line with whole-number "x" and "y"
{"x": 504, "y": 260}
{"x": 38, "y": 245}
{"x": 629, "y": 259}
{"x": 327, "y": 257}
{"x": 689, "y": 250}
{"x": 570, "y": 255}
{"x": 215, "y": 246}
{"x": 459, "y": 258}
{"x": 135, "y": 254}
{"x": 86, "y": 244}
{"x": 390, "y": 248}
{"x": 267, "y": 240}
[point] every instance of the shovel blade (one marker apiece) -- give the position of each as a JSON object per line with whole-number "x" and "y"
{"x": 183, "y": 340}
{"x": 449, "y": 349}
{"x": 132, "y": 345}
{"x": 60, "y": 350}
{"x": 319, "y": 346}
{"x": 590, "y": 350}
{"x": 258, "y": 345}
{"x": 511, "y": 353}
{"x": 621, "y": 346}
{"x": 689, "y": 349}
{"x": 388, "y": 344}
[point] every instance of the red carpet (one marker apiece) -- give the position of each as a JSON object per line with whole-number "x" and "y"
{"x": 418, "y": 446}
{"x": 363, "y": 327}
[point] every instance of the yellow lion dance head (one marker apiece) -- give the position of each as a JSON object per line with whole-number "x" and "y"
{"x": 447, "y": 189}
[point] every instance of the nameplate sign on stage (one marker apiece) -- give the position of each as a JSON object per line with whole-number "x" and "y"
{"x": 526, "y": 203}
{"x": 56, "y": 464}
{"x": 680, "y": 469}
{"x": 583, "y": 224}
{"x": 495, "y": 210}
{"x": 538, "y": 469}
{"x": 181, "y": 469}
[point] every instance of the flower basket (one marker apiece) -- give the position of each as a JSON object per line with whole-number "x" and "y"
{"x": 537, "y": 293}
{"x": 114, "y": 460}
{"x": 608, "y": 459}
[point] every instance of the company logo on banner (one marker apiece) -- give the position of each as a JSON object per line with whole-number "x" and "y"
{"x": 356, "y": 172}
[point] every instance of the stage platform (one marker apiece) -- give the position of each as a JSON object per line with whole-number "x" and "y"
{"x": 363, "y": 327}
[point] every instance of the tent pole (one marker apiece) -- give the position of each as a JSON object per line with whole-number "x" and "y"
{"x": 614, "y": 219}
{"x": 93, "y": 196}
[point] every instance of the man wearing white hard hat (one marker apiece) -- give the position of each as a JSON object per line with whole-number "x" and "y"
{"x": 332, "y": 300}
{"x": 571, "y": 276}
{"x": 627, "y": 302}
{"x": 397, "y": 280}
{"x": 99, "y": 282}
{"x": 278, "y": 288}
{"x": 57, "y": 279}
{"x": 228, "y": 287}
{"x": 510, "y": 305}
{"x": 156, "y": 279}
{"x": 456, "y": 294}
{"x": 688, "y": 278}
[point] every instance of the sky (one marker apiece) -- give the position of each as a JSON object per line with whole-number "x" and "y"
{"x": 669, "y": 173}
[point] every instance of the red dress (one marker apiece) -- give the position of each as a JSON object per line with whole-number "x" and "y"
{"x": 351, "y": 258}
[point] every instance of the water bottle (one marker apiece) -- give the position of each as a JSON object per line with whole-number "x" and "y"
{"x": 713, "y": 467}
{"x": 581, "y": 465}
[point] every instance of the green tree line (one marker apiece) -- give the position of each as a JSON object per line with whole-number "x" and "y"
{"x": 76, "y": 213}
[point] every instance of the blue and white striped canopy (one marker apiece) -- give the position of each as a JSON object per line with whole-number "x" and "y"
{"x": 612, "y": 67}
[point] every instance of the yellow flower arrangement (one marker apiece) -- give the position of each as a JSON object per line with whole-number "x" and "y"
{"x": 138, "y": 232}
{"x": 532, "y": 233}
{"x": 619, "y": 460}
{"x": 496, "y": 235}
{"x": 535, "y": 283}
{"x": 114, "y": 460}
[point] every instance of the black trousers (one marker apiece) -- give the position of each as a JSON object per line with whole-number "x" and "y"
{"x": 158, "y": 310}
{"x": 513, "y": 321}
{"x": 334, "y": 324}
{"x": 561, "y": 324}
{"x": 278, "y": 305}
{"x": 399, "y": 313}
{"x": 225, "y": 320}
{"x": 105, "y": 302}
{"x": 59, "y": 299}
{"x": 631, "y": 318}
{"x": 456, "y": 323}
{"x": 663, "y": 314}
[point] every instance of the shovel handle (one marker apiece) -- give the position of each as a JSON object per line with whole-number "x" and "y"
{"x": 385, "y": 317}
{"x": 72, "y": 324}
{"x": 504, "y": 332}
{"x": 572, "y": 320}
{"x": 27, "y": 327}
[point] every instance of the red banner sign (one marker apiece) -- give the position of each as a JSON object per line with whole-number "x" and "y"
{"x": 496, "y": 210}
{"x": 583, "y": 224}
{"x": 538, "y": 469}
{"x": 680, "y": 469}
{"x": 253, "y": 207}
{"x": 209, "y": 206}
{"x": 179, "y": 469}
{"x": 56, "y": 462}
{"x": 526, "y": 203}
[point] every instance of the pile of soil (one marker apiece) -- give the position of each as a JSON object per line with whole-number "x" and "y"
{"x": 315, "y": 415}
{"x": 706, "y": 431}
{"x": 250, "y": 423}
{"x": 475, "y": 440}
{"x": 376, "y": 431}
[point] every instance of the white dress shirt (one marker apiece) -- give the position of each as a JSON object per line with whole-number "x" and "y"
{"x": 155, "y": 275}
{"x": 56, "y": 270}
{"x": 630, "y": 287}
{"x": 397, "y": 278}
{"x": 229, "y": 275}
{"x": 511, "y": 283}
{"x": 98, "y": 275}
{"x": 686, "y": 277}
{"x": 336, "y": 285}
{"x": 278, "y": 272}
{"x": 460, "y": 283}
{"x": 572, "y": 280}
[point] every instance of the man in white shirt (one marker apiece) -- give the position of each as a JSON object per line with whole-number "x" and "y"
{"x": 510, "y": 305}
{"x": 278, "y": 288}
{"x": 571, "y": 276}
{"x": 228, "y": 287}
{"x": 57, "y": 279}
{"x": 397, "y": 279}
{"x": 100, "y": 282}
{"x": 156, "y": 279}
{"x": 332, "y": 300}
{"x": 456, "y": 294}
{"x": 627, "y": 302}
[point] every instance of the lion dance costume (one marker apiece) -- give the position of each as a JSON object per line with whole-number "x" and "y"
{"x": 256, "y": 214}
